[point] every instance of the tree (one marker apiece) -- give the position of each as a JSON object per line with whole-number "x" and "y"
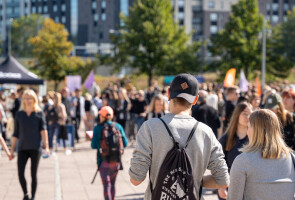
{"x": 23, "y": 29}
{"x": 152, "y": 43}
{"x": 52, "y": 49}
{"x": 238, "y": 43}
{"x": 281, "y": 47}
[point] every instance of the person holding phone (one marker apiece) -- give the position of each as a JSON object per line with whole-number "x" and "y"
{"x": 30, "y": 129}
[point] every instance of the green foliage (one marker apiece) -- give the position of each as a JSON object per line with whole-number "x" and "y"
{"x": 23, "y": 29}
{"x": 238, "y": 44}
{"x": 286, "y": 43}
{"x": 151, "y": 43}
{"x": 281, "y": 48}
{"x": 52, "y": 49}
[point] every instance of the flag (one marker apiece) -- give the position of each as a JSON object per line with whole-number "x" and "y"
{"x": 230, "y": 77}
{"x": 89, "y": 81}
{"x": 243, "y": 82}
{"x": 73, "y": 82}
{"x": 258, "y": 86}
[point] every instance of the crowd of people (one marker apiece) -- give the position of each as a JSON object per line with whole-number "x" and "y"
{"x": 260, "y": 125}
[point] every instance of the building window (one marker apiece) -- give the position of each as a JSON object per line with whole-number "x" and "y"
{"x": 16, "y": 10}
{"x": 27, "y": 10}
{"x": 63, "y": 19}
{"x": 54, "y": 8}
{"x": 285, "y": 19}
{"x": 181, "y": 9}
{"x": 124, "y": 7}
{"x": 63, "y": 7}
{"x": 8, "y": 11}
{"x": 286, "y": 6}
{"x": 94, "y": 5}
{"x": 221, "y": 5}
{"x": 74, "y": 18}
{"x": 180, "y": 3}
{"x": 213, "y": 29}
{"x": 268, "y": 6}
{"x": 275, "y": 18}
{"x": 213, "y": 17}
{"x": 45, "y": 9}
{"x": 56, "y": 19}
{"x": 181, "y": 22}
{"x": 181, "y": 15}
{"x": 95, "y": 17}
{"x": 275, "y": 6}
{"x": 103, "y": 16}
{"x": 101, "y": 35}
{"x": 275, "y": 12}
{"x": 103, "y": 4}
{"x": 33, "y": 9}
{"x": 39, "y": 9}
{"x": 211, "y": 4}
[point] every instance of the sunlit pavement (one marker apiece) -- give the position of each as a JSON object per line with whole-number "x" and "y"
{"x": 63, "y": 177}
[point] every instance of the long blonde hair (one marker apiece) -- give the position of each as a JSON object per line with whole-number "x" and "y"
{"x": 31, "y": 93}
{"x": 267, "y": 135}
{"x": 57, "y": 96}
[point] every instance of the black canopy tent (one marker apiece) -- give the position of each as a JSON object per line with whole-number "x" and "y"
{"x": 11, "y": 71}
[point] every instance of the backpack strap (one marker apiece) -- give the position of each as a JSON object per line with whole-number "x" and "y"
{"x": 191, "y": 134}
{"x": 293, "y": 158}
{"x": 170, "y": 134}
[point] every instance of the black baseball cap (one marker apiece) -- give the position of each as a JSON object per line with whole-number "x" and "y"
{"x": 185, "y": 86}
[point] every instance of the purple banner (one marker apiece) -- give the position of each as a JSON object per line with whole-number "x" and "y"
{"x": 73, "y": 82}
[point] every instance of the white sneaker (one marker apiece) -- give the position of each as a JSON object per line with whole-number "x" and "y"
{"x": 68, "y": 152}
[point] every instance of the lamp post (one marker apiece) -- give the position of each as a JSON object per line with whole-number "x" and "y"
{"x": 263, "y": 55}
{"x": 9, "y": 36}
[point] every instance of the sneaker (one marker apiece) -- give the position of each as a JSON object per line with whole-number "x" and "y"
{"x": 68, "y": 152}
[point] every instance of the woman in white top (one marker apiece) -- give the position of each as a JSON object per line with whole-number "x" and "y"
{"x": 265, "y": 170}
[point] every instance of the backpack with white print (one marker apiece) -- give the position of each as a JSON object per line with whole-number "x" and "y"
{"x": 175, "y": 180}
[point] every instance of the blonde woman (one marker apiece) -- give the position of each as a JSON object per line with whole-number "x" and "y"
{"x": 265, "y": 169}
{"x": 123, "y": 107}
{"x": 61, "y": 120}
{"x": 157, "y": 108}
{"x": 30, "y": 128}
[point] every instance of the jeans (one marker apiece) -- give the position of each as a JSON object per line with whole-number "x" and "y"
{"x": 53, "y": 128}
{"x": 108, "y": 173}
{"x": 139, "y": 121}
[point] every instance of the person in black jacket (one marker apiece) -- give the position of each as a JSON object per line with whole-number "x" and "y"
{"x": 205, "y": 113}
{"x": 122, "y": 107}
{"x": 29, "y": 130}
{"x": 230, "y": 103}
{"x": 17, "y": 101}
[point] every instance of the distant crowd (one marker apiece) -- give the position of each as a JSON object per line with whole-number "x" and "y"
{"x": 132, "y": 107}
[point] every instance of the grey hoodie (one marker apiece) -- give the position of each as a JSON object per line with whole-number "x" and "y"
{"x": 153, "y": 143}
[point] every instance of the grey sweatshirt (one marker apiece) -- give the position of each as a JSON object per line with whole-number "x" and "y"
{"x": 153, "y": 143}
{"x": 255, "y": 178}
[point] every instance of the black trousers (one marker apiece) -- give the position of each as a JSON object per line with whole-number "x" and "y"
{"x": 22, "y": 159}
{"x": 76, "y": 123}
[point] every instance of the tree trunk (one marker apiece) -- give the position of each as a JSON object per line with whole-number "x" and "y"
{"x": 246, "y": 72}
{"x": 150, "y": 74}
{"x": 55, "y": 85}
